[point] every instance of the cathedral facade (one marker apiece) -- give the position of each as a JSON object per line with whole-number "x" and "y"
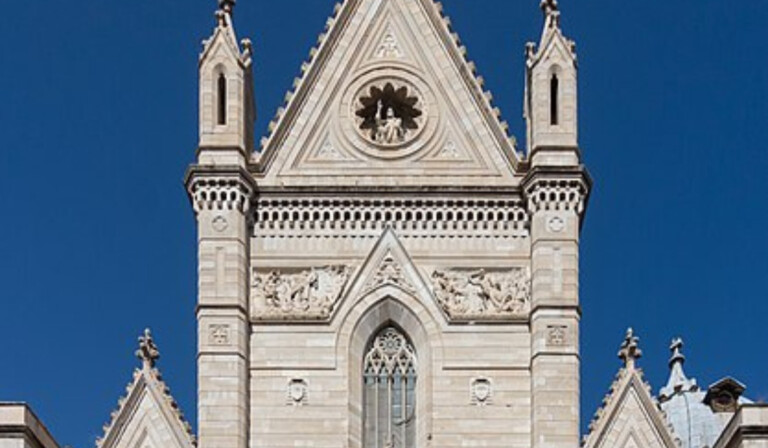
{"x": 389, "y": 269}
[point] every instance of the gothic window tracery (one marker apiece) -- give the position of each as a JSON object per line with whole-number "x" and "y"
{"x": 389, "y": 375}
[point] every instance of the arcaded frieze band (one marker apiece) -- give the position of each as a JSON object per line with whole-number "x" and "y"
{"x": 499, "y": 216}
{"x": 557, "y": 195}
{"x": 220, "y": 194}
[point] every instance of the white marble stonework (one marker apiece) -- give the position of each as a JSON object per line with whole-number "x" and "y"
{"x": 386, "y": 268}
{"x": 387, "y": 194}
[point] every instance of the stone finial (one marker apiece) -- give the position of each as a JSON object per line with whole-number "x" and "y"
{"x": 630, "y": 349}
{"x": 551, "y": 11}
{"x": 678, "y": 382}
{"x": 677, "y": 355}
{"x": 147, "y": 352}
{"x": 549, "y": 7}
{"x": 530, "y": 50}
{"x": 228, "y": 6}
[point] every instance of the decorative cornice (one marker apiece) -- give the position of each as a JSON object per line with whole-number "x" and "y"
{"x": 220, "y": 189}
{"x": 557, "y": 194}
{"x": 418, "y": 216}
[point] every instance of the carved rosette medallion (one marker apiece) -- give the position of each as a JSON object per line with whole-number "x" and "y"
{"x": 556, "y": 224}
{"x": 219, "y": 223}
{"x": 306, "y": 295}
{"x": 388, "y": 114}
{"x": 467, "y": 295}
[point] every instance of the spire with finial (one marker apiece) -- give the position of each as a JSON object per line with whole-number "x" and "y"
{"x": 147, "y": 352}
{"x": 630, "y": 349}
{"x": 678, "y": 381}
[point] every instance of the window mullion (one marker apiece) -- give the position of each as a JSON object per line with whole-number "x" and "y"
{"x": 390, "y": 379}
{"x": 404, "y": 409}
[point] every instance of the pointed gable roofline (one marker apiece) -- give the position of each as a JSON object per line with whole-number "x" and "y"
{"x": 388, "y": 264}
{"x": 225, "y": 31}
{"x": 146, "y": 379}
{"x": 319, "y": 56}
{"x": 550, "y": 36}
{"x": 629, "y": 378}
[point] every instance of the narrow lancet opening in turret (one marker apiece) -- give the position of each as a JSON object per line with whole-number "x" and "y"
{"x": 554, "y": 92}
{"x": 222, "y": 96}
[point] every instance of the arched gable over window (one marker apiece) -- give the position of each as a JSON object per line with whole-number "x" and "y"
{"x": 389, "y": 375}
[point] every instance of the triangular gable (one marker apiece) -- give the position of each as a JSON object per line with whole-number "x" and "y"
{"x": 457, "y": 138}
{"x": 222, "y": 45}
{"x": 388, "y": 266}
{"x": 630, "y": 417}
{"x": 147, "y": 417}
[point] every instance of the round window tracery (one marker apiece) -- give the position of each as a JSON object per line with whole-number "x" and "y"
{"x": 389, "y": 115}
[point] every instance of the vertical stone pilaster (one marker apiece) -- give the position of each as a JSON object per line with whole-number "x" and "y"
{"x": 221, "y": 199}
{"x": 555, "y": 206}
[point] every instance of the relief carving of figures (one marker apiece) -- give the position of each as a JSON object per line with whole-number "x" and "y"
{"x": 311, "y": 294}
{"x": 482, "y": 294}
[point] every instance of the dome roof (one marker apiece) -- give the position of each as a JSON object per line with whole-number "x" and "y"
{"x": 687, "y": 407}
{"x": 695, "y": 424}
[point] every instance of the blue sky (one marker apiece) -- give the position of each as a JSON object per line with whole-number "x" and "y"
{"x": 99, "y": 117}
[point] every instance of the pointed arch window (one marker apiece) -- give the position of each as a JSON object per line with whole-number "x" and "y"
{"x": 222, "y": 99}
{"x": 390, "y": 391}
{"x": 554, "y": 96}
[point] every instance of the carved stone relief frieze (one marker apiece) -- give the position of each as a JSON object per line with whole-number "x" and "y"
{"x": 306, "y": 295}
{"x": 483, "y": 295}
